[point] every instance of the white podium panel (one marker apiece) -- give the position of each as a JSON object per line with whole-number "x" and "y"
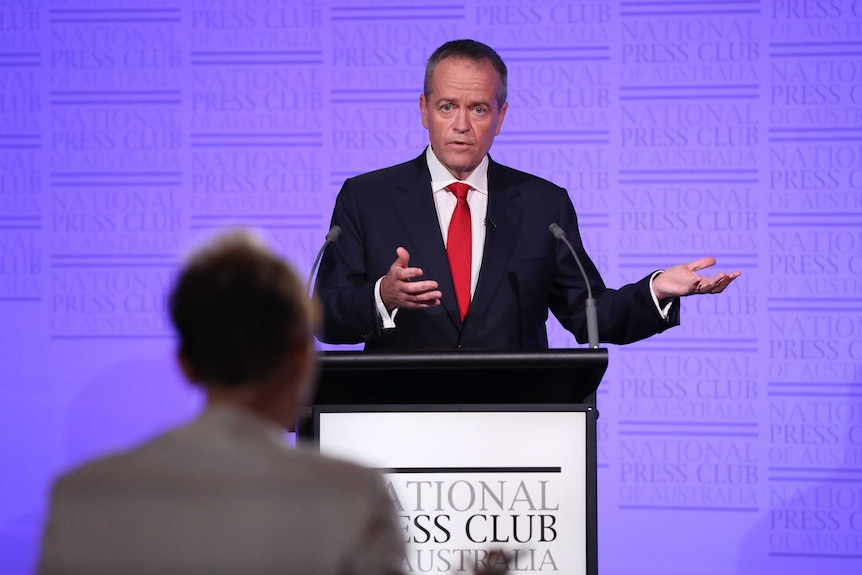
{"x": 465, "y": 481}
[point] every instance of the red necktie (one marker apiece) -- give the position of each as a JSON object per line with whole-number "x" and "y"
{"x": 459, "y": 247}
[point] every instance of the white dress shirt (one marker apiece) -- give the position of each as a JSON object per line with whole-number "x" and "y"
{"x": 477, "y": 199}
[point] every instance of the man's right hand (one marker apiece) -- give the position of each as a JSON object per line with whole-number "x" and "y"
{"x": 397, "y": 291}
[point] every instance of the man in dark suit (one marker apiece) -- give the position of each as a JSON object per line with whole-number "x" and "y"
{"x": 476, "y": 265}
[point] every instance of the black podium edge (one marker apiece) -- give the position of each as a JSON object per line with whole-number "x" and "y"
{"x": 460, "y": 359}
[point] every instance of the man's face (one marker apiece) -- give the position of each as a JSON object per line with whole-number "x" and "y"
{"x": 461, "y": 113}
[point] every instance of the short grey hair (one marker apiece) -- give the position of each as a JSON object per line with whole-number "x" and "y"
{"x": 468, "y": 50}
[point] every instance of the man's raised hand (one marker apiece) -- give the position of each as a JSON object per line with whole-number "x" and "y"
{"x": 682, "y": 280}
{"x": 397, "y": 290}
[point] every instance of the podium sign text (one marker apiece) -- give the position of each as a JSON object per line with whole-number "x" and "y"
{"x": 483, "y": 477}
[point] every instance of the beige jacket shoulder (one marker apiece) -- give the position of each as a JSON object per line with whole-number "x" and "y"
{"x": 222, "y": 494}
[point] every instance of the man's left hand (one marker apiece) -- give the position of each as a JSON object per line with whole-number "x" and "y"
{"x": 682, "y": 280}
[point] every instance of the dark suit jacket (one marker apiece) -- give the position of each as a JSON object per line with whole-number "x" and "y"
{"x": 525, "y": 270}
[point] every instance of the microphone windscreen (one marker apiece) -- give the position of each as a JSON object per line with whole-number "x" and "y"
{"x": 333, "y": 234}
{"x": 557, "y": 231}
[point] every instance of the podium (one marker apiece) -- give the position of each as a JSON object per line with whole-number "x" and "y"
{"x": 480, "y": 449}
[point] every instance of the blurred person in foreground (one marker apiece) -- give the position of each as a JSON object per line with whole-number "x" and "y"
{"x": 224, "y": 493}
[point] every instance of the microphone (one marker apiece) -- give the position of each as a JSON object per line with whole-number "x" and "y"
{"x": 592, "y": 318}
{"x": 331, "y": 236}
{"x": 490, "y": 222}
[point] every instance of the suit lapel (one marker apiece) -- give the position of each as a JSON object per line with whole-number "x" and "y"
{"x": 501, "y": 235}
{"x": 416, "y": 207}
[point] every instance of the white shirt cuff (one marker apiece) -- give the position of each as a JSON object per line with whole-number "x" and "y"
{"x": 388, "y": 319}
{"x": 662, "y": 311}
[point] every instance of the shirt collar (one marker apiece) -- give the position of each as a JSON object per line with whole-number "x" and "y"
{"x": 440, "y": 176}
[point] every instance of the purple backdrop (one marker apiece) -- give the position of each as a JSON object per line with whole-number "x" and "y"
{"x": 129, "y": 129}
